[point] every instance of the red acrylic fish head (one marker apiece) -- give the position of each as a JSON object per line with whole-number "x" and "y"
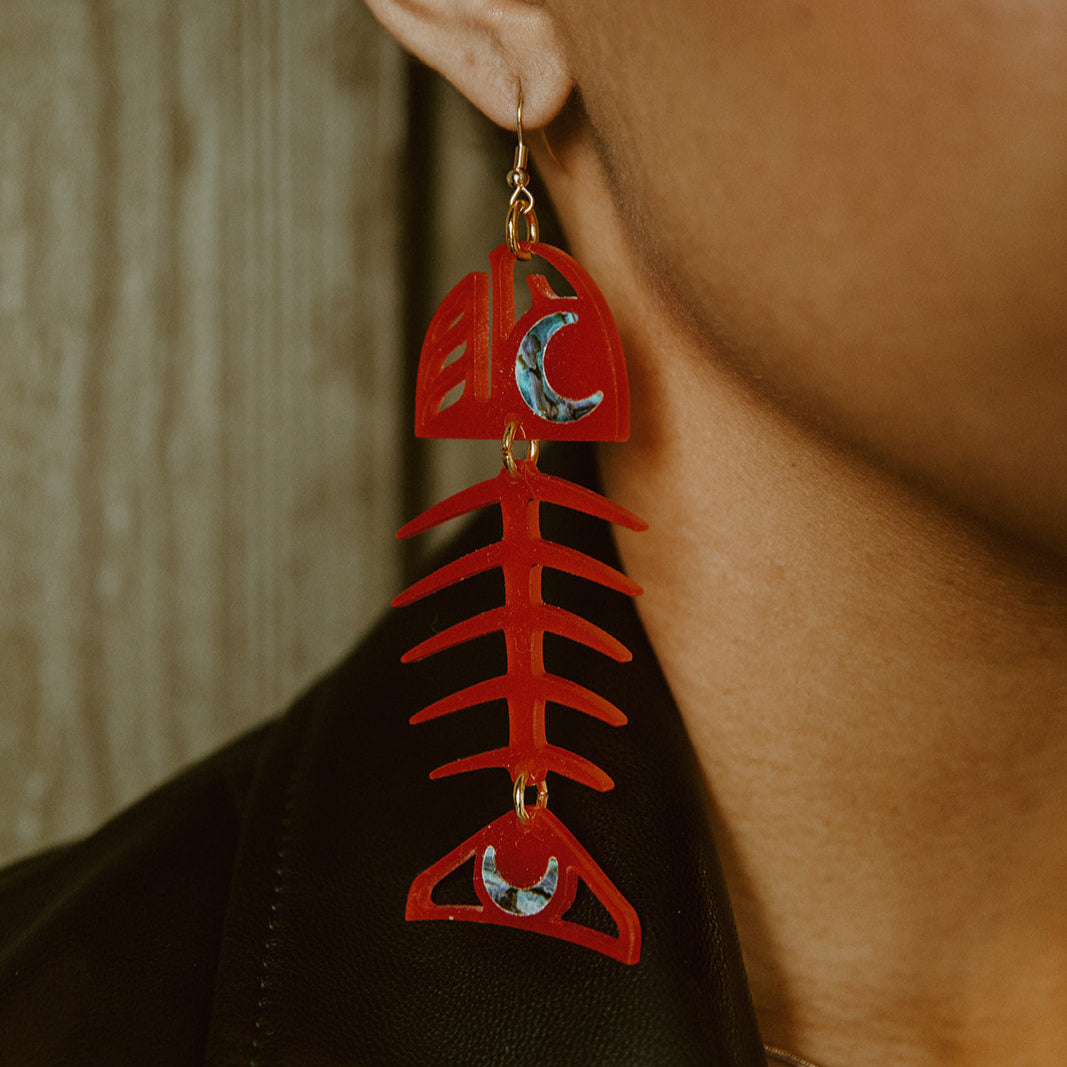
{"x": 558, "y": 371}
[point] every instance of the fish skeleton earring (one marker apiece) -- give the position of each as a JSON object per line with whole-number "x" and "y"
{"x": 527, "y": 865}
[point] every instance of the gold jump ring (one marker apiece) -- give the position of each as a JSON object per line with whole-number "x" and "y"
{"x": 519, "y": 797}
{"x": 511, "y": 227}
{"x": 506, "y": 448}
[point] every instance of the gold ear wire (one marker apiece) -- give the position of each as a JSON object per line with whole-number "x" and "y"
{"x": 522, "y": 200}
{"x": 521, "y": 153}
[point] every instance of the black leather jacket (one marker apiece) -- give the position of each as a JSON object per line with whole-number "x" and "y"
{"x": 252, "y": 911}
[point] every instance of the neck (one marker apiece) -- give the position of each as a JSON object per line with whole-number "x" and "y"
{"x": 875, "y": 687}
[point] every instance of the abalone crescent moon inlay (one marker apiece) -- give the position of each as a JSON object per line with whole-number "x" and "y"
{"x": 514, "y": 899}
{"x": 530, "y": 376}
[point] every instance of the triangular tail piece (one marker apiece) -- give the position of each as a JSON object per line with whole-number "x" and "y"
{"x": 527, "y": 876}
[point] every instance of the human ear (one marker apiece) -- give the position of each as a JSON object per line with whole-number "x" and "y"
{"x": 488, "y": 49}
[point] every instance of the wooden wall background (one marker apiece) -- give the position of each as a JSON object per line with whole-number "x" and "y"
{"x": 223, "y": 225}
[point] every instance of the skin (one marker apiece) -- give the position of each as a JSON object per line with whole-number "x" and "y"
{"x": 860, "y": 206}
{"x": 835, "y": 241}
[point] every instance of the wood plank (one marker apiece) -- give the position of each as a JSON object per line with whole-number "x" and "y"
{"x": 200, "y": 379}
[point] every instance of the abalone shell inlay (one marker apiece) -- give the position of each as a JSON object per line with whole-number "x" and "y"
{"x": 532, "y": 381}
{"x": 515, "y": 899}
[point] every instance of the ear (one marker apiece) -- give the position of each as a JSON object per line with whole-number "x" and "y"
{"x": 487, "y": 49}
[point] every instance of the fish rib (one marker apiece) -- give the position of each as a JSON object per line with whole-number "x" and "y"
{"x": 462, "y": 503}
{"x": 566, "y": 494}
{"x": 547, "y": 687}
{"x": 572, "y": 695}
{"x": 551, "y": 757}
{"x": 570, "y": 561}
{"x": 486, "y": 622}
{"x": 549, "y": 618}
{"x": 477, "y": 562}
{"x": 479, "y": 693}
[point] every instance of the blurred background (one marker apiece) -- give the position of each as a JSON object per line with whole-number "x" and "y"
{"x": 224, "y": 225}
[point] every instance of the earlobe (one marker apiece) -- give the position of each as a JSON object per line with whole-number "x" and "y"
{"x": 487, "y": 49}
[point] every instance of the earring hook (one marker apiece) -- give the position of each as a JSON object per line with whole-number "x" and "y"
{"x": 522, "y": 200}
{"x": 521, "y": 151}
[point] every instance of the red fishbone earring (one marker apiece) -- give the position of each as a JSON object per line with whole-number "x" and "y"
{"x": 527, "y": 864}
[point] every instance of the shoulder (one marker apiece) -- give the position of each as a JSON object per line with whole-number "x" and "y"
{"x": 143, "y": 942}
{"x": 115, "y": 937}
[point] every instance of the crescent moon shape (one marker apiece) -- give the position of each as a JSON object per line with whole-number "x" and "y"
{"x": 532, "y": 381}
{"x": 515, "y": 899}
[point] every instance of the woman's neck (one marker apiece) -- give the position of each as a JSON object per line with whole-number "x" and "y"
{"x": 877, "y": 690}
{"x": 876, "y": 687}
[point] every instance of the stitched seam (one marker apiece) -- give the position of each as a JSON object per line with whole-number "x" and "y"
{"x": 270, "y": 939}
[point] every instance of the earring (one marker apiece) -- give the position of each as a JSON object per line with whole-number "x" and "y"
{"x": 527, "y": 865}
